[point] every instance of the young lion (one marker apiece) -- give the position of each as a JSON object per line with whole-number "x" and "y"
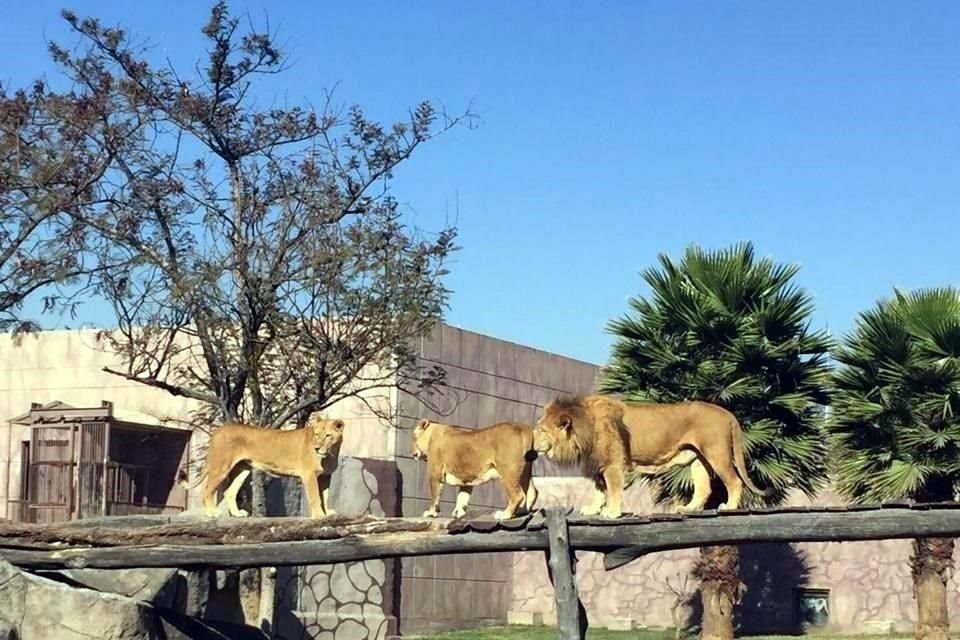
{"x": 310, "y": 453}
{"x": 610, "y": 439}
{"x": 465, "y": 458}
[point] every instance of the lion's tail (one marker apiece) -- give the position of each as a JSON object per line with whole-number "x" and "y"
{"x": 184, "y": 480}
{"x": 740, "y": 463}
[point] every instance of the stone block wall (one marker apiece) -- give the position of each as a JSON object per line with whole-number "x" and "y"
{"x": 345, "y": 601}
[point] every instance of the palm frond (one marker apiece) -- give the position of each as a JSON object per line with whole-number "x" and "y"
{"x": 896, "y": 426}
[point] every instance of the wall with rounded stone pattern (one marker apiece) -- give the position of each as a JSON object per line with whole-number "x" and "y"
{"x": 869, "y": 582}
{"x": 346, "y": 601}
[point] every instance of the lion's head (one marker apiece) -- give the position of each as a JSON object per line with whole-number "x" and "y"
{"x": 421, "y": 439}
{"x": 563, "y": 431}
{"x": 327, "y": 434}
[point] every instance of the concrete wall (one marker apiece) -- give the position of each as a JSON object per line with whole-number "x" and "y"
{"x": 489, "y": 381}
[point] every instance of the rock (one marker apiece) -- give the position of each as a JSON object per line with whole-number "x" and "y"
{"x": 193, "y": 593}
{"x": 183, "y": 591}
{"x": 50, "y": 609}
{"x": 156, "y": 586}
{"x": 67, "y": 610}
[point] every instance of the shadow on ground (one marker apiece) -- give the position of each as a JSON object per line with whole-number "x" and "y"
{"x": 772, "y": 573}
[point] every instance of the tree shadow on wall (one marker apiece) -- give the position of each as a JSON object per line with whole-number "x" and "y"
{"x": 772, "y": 573}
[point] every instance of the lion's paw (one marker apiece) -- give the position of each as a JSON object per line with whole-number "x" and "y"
{"x": 431, "y": 513}
{"x": 589, "y": 511}
{"x": 241, "y": 513}
{"x": 331, "y": 512}
{"x": 459, "y": 513}
{"x": 502, "y": 515}
{"x": 610, "y": 514}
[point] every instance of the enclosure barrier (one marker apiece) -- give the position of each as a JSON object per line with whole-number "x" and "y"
{"x": 193, "y": 542}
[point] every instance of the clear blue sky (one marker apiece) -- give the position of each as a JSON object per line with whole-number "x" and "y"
{"x": 826, "y": 132}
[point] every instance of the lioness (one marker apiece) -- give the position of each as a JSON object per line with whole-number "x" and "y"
{"x": 465, "y": 458}
{"x": 310, "y": 453}
{"x": 610, "y": 438}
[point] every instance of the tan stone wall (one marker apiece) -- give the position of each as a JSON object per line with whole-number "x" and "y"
{"x": 869, "y": 582}
{"x": 489, "y": 381}
{"x": 369, "y": 432}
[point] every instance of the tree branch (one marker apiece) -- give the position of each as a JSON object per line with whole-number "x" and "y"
{"x": 172, "y": 389}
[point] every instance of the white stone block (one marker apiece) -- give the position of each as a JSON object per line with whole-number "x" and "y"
{"x": 620, "y": 624}
{"x": 525, "y": 618}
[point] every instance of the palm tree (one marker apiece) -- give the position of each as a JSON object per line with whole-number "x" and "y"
{"x": 732, "y": 329}
{"x": 895, "y": 429}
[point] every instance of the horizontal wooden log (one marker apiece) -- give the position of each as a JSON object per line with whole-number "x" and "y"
{"x": 101, "y": 532}
{"x": 628, "y": 544}
{"x": 277, "y": 554}
{"x": 621, "y": 542}
{"x": 194, "y": 522}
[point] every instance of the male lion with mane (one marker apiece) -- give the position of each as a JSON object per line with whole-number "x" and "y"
{"x": 610, "y": 438}
{"x": 465, "y": 458}
{"x": 310, "y": 453}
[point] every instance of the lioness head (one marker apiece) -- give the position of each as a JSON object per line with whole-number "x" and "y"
{"x": 555, "y": 434}
{"x": 327, "y": 434}
{"x": 421, "y": 440}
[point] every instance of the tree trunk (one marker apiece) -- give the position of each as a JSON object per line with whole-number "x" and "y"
{"x": 258, "y": 494}
{"x": 931, "y": 565}
{"x": 266, "y": 580}
{"x": 720, "y": 590}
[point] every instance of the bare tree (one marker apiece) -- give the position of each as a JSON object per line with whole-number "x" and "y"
{"x": 270, "y": 270}
{"x": 681, "y": 599}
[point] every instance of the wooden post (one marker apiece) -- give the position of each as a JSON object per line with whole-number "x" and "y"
{"x": 104, "y": 482}
{"x": 73, "y": 501}
{"x": 561, "y": 567}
